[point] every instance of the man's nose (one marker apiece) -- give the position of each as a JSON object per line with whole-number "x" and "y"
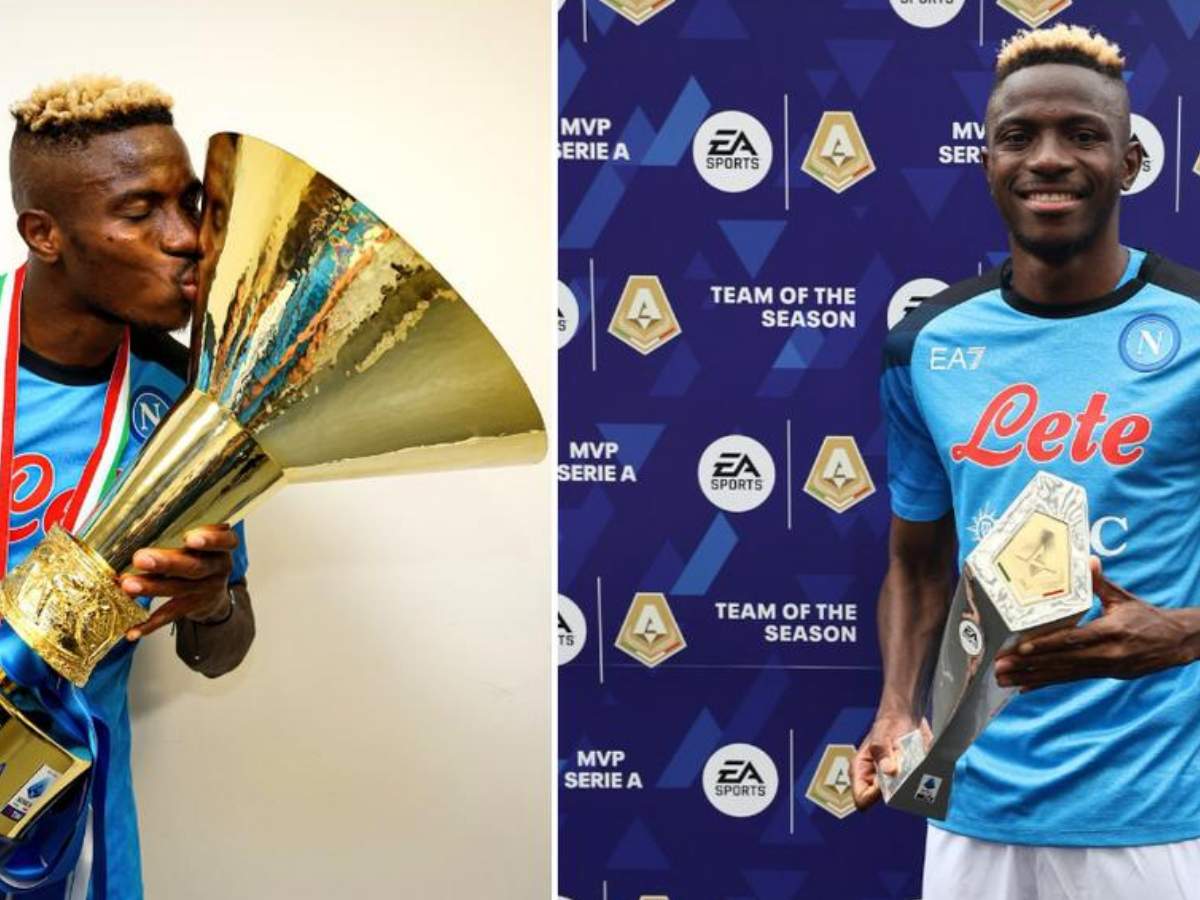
{"x": 1050, "y": 155}
{"x": 182, "y": 234}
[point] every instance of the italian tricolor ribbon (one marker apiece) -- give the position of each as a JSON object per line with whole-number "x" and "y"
{"x": 101, "y": 467}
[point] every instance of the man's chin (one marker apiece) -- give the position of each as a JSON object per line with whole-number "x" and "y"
{"x": 169, "y": 318}
{"x": 1056, "y": 249}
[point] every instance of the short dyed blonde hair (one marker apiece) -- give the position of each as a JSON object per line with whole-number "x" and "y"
{"x": 91, "y": 104}
{"x": 1062, "y": 43}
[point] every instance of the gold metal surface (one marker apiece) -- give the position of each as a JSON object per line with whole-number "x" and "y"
{"x": 1036, "y": 561}
{"x": 199, "y": 467}
{"x": 323, "y": 346}
{"x": 64, "y": 602}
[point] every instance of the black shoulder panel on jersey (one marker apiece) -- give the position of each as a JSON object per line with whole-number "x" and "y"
{"x": 898, "y": 347}
{"x": 159, "y": 347}
{"x": 1171, "y": 275}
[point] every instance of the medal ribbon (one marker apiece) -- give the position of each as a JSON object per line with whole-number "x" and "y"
{"x": 49, "y": 851}
{"x": 100, "y": 470}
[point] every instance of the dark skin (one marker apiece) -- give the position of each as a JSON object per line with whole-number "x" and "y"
{"x": 112, "y": 232}
{"x": 912, "y": 610}
{"x": 1059, "y": 153}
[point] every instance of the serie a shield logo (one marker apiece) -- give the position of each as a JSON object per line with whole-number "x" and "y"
{"x": 1034, "y": 12}
{"x": 643, "y": 318}
{"x": 830, "y": 787}
{"x": 638, "y": 11}
{"x": 838, "y": 156}
{"x": 650, "y": 633}
{"x": 839, "y": 478}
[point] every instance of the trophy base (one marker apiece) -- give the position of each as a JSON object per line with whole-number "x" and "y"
{"x": 35, "y": 769}
{"x": 63, "y": 601}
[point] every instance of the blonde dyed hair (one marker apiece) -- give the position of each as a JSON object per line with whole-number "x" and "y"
{"x": 90, "y": 104}
{"x": 1064, "y": 43}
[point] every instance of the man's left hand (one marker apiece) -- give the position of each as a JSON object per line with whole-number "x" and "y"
{"x": 196, "y": 578}
{"x": 1129, "y": 639}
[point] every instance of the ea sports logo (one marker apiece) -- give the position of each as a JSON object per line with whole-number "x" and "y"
{"x": 732, "y": 151}
{"x": 568, "y": 315}
{"x": 572, "y": 629}
{"x": 146, "y": 411}
{"x": 740, "y": 780}
{"x": 736, "y": 473}
{"x": 927, "y": 13}
{"x": 971, "y": 637}
{"x": 909, "y": 296}
{"x": 1152, "y": 143}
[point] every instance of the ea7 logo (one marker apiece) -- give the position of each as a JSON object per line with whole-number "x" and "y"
{"x": 942, "y": 359}
{"x": 731, "y": 464}
{"x": 728, "y": 141}
{"x": 738, "y": 771}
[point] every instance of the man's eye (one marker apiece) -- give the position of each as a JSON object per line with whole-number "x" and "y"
{"x": 136, "y": 216}
{"x": 1087, "y": 137}
{"x": 1015, "y": 138}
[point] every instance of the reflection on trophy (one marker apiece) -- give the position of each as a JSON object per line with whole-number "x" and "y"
{"x": 1029, "y": 574}
{"x": 323, "y": 346}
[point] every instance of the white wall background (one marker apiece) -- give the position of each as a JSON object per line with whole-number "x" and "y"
{"x": 389, "y": 734}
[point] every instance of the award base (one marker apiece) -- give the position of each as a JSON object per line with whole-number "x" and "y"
{"x": 1028, "y": 575}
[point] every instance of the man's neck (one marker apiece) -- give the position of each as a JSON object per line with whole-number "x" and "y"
{"x": 1086, "y": 275}
{"x": 57, "y": 326}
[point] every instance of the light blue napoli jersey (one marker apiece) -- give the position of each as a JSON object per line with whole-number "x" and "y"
{"x": 982, "y": 389}
{"x": 59, "y": 412}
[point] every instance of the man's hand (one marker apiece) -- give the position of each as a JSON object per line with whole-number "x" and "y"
{"x": 878, "y": 753}
{"x": 1130, "y": 638}
{"x": 196, "y": 578}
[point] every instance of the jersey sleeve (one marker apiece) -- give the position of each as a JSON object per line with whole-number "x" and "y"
{"x": 916, "y": 478}
{"x": 241, "y": 561}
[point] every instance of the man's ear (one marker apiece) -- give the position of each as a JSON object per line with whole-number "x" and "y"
{"x": 41, "y": 234}
{"x": 1131, "y": 162}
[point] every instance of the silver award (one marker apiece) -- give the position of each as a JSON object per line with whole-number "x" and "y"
{"x": 1028, "y": 575}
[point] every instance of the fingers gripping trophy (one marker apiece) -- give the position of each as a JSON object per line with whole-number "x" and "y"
{"x": 323, "y": 347}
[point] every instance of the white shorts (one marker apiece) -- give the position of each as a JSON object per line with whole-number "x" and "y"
{"x": 963, "y": 868}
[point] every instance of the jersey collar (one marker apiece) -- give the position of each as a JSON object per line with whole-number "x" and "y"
{"x": 32, "y": 361}
{"x": 1113, "y": 298}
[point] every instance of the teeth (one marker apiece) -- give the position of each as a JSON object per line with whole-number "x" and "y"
{"x": 1046, "y": 197}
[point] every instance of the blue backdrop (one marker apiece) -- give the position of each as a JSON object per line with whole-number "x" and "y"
{"x": 725, "y": 292}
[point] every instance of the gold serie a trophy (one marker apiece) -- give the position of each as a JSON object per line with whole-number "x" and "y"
{"x": 1029, "y": 574}
{"x": 323, "y": 347}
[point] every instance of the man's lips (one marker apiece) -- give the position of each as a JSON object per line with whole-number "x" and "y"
{"x": 1045, "y": 200}
{"x": 187, "y": 283}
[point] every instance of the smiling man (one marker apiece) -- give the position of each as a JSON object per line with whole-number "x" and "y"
{"x": 108, "y": 205}
{"x": 1081, "y": 364}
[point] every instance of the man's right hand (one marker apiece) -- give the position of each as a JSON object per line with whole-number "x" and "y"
{"x": 878, "y": 753}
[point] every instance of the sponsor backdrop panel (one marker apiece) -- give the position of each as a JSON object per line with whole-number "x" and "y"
{"x": 751, "y": 194}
